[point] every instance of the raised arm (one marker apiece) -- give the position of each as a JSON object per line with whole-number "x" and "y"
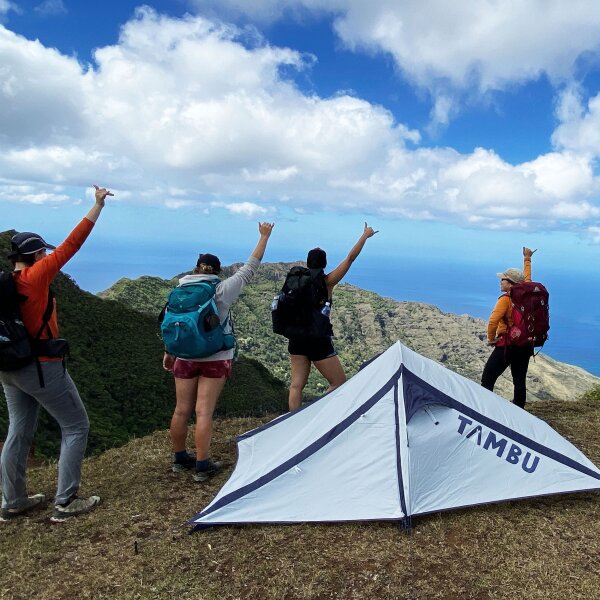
{"x": 230, "y": 288}
{"x": 95, "y": 211}
{"x": 333, "y": 278}
{"x": 527, "y": 254}
{"x": 264, "y": 229}
{"x": 47, "y": 268}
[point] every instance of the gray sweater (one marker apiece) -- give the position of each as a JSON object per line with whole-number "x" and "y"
{"x": 226, "y": 294}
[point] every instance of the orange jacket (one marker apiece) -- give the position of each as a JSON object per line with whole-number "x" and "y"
{"x": 34, "y": 282}
{"x": 501, "y": 317}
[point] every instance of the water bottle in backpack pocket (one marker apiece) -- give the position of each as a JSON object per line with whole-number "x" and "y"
{"x": 191, "y": 327}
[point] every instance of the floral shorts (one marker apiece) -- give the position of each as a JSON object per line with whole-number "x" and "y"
{"x": 213, "y": 369}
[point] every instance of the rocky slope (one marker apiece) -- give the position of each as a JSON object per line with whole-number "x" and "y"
{"x": 365, "y": 324}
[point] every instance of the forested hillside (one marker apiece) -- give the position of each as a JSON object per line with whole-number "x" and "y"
{"x": 116, "y": 358}
{"x": 365, "y": 324}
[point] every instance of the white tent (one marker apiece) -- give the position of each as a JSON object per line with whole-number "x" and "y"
{"x": 405, "y": 436}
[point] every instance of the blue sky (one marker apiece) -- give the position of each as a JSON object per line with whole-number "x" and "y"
{"x": 461, "y": 132}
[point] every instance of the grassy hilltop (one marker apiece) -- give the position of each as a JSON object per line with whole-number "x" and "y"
{"x": 116, "y": 362}
{"x": 366, "y": 324}
{"x": 136, "y": 545}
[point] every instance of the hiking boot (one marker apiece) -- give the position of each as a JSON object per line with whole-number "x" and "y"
{"x": 214, "y": 466}
{"x": 188, "y": 463}
{"x": 76, "y": 506}
{"x": 32, "y": 502}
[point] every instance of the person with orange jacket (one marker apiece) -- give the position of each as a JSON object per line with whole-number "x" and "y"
{"x": 504, "y": 354}
{"x": 45, "y": 381}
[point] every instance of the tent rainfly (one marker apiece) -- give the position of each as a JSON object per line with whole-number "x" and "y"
{"x": 405, "y": 436}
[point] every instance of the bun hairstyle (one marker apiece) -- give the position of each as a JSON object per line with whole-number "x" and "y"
{"x": 316, "y": 259}
{"x": 210, "y": 260}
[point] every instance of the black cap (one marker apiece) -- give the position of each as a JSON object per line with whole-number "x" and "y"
{"x": 211, "y": 260}
{"x": 316, "y": 259}
{"x": 27, "y": 242}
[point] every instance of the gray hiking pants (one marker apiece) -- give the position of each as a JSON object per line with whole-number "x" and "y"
{"x": 60, "y": 398}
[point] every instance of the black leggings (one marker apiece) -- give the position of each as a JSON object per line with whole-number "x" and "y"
{"x": 500, "y": 358}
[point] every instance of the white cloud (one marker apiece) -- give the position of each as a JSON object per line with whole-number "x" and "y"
{"x": 51, "y": 8}
{"x": 5, "y": 7}
{"x": 575, "y": 211}
{"x": 444, "y": 107}
{"x": 579, "y": 129}
{"x": 42, "y": 96}
{"x": 270, "y": 175}
{"x": 484, "y": 44}
{"x": 181, "y": 112}
{"x": 594, "y": 233}
{"x": 561, "y": 175}
{"x": 33, "y": 193}
{"x": 265, "y": 11}
{"x": 245, "y": 209}
{"x": 175, "y": 204}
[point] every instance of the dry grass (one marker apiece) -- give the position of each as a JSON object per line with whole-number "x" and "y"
{"x": 545, "y": 548}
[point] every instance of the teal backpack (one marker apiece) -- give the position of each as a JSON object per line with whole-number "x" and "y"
{"x": 190, "y": 324}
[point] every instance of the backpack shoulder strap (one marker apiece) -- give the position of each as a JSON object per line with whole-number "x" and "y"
{"x": 46, "y": 316}
{"x": 317, "y": 277}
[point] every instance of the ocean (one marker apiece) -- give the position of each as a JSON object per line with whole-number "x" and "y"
{"x": 460, "y": 287}
{"x": 467, "y": 288}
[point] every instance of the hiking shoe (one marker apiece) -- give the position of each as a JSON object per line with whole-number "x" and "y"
{"x": 77, "y": 506}
{"x": 29, "y": 504}
{"x": 214, "y": 466}
{"x": 188, "y": 463}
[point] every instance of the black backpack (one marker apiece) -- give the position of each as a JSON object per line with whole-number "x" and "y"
{"x": 296, "y": 312}
{"x": 17, "y": 347}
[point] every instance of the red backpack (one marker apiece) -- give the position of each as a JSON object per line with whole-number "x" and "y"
{"x": 530, "y": 313}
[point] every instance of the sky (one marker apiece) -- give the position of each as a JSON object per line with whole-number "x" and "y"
{"x": 462, "y": 131}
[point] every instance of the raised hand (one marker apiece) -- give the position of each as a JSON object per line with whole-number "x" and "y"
{"x": 527, "y": 252}
{"x": 265, "y": 229}
{"x": 369, "y": 231}
{"x": 101, "y": 194}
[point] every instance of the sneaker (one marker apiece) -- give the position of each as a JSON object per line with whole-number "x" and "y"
{"x": 188, "y": 463}
{"x": 77, "y": 506}
{"x": 29, "y": 504}
{"x": 214, "y": 466}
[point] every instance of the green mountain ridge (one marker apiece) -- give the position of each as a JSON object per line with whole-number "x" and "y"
{"x": 116, "y": 362}
{"x": 365, "y": 324}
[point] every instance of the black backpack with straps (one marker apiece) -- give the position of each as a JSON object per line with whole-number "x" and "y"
{"x": 296, "y": 312}
{"x": 17, "y": 348}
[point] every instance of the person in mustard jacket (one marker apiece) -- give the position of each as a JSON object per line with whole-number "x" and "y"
{"x": 503, "y": 354}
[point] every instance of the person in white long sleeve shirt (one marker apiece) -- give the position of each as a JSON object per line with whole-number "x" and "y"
{"x": 199, "y": 382}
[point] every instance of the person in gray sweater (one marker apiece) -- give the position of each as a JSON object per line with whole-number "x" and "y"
{"x": 199, "y": 381}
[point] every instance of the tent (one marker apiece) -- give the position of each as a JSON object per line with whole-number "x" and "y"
{"x": 405, "y": 436}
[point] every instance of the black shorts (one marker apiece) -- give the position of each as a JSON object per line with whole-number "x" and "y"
{"x": 314, "y": 348}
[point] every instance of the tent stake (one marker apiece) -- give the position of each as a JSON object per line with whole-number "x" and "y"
{"x": 406, "y": 525}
